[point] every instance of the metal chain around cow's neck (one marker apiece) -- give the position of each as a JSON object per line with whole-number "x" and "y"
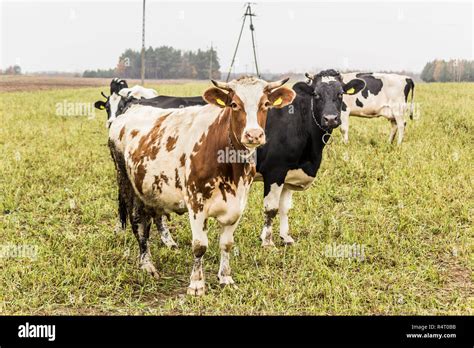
{"x": 326, "y": 133}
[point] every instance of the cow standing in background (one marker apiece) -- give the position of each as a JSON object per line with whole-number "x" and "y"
{"x": 296, "y": 136}
{"x": 119, "y": 97}
{"x": 384, "y": 95}
{"x": 167, "y": 161}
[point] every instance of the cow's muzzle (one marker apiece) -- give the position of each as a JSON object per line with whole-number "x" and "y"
{"x": 331, "y": 121}
{"x": 253, "y": 137}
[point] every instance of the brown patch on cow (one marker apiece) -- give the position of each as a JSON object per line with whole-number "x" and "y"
{"x": 134, "y": 133}
{"x": 147, "y": 149}
{"x": 171, "y": 143}
{"x": 122, "y": 132}
{"x": 177, "y": 179}
{"x": 206, "y": 173}
{"x": 182, "y": 160}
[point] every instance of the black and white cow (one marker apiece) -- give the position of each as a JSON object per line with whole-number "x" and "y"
{"x": 384, "y": 95}
{"x": 296, "y": 136}
{"x": 121, "y": 97}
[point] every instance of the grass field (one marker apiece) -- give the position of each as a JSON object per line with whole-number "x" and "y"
{"x": 410, "y": 208}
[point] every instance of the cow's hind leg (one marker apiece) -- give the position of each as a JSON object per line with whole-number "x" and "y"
{"x": 200, "y": 243}
{"x": 226, "y": 242}
{"x": 141, "y": 223}
{"x": 164, "y": 232}
{"x": 284, "y": 208}
{"x": 393, "y": 131}
{"x": 271, "y": 203}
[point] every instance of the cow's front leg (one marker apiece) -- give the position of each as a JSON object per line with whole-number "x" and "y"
{"x": 345, "y": 126}
{"x": 285, "y": 206}
{"x": 200, "y": 243}
{"x": 141, "y": 223}
{"x": 226, "y": 242}
{"x": 271, "y": 203}
{"x": 164, "y": 232}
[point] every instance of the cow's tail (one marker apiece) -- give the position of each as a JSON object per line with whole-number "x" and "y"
{"x": 411, "y": 86}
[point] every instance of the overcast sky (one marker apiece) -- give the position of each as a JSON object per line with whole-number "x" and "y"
{"x": 291, "y": 36}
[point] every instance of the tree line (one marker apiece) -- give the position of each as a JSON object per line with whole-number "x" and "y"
{"x": 164, "y": 62}
{"x": 454, "y": 70}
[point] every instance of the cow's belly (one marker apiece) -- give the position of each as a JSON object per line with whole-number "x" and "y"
{"x": 226, "y": 206}
{"x": 297, "y": 179}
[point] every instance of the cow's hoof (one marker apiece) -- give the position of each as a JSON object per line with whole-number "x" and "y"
{"x": 196, "y": 288}
{"x": 150, "y": 269}
{"x": 268, "y": 243}
{"x": 169, "y": 242}
{"x": 226, "y": 280}
{"x": 287, "y": 240}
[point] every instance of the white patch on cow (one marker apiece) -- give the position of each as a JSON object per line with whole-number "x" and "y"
{"x": 298, "y": 180}
{"x": 283, "y": 209}
{"x": 114, "y": 101}
{"x": 138, "y": 92}
{"x": 250, "y": 94}
{"x": 326, "y": 79}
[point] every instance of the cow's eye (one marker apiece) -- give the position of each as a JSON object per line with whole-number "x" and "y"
{"x": 339, "y": 95}
{"x": 267, "y": 104}
{"x": 317, "y": 96}
{"x": 234, "y": 105}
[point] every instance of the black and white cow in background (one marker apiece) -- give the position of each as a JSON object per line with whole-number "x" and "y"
{"x": 384, "y": 95}
{"x": 121, "y": 97}
{"x": 296, "y": 136}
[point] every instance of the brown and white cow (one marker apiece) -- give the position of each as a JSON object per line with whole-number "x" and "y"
{"x": 167, "y": 161}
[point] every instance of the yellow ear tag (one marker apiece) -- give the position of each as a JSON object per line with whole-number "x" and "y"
{"x": 220, "y": 102}
{"x": 102, "y": 107}
{"x": 351, "y": 91}
{"x": 278, "y": 101}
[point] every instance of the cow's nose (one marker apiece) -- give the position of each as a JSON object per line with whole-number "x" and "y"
{"x": 331, "y": 120}
{"x": 254, "y": 136}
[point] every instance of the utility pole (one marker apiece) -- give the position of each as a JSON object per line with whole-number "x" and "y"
{"x": 250, "y": 14}
{"x": 143, "y": 47}
{"x": 210, "y": 63}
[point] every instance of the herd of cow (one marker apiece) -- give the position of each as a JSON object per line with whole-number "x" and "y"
{"x": 166, "y": 150}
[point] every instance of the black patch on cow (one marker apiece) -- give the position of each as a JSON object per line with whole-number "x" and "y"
{"x": 372, "y": 84}
{"x": 359, "y": 103}
{"x": 344, "y": 106}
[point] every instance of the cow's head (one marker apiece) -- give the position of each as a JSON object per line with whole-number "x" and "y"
{"x": 114, "y": 103}
{"x": 327, "y": 90}
{"x": 248, "y": 100}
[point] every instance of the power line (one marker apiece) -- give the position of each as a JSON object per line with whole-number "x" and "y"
{"x": 250, "y": 14}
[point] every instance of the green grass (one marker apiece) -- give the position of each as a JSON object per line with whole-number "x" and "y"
{"x": 410, "y": 207}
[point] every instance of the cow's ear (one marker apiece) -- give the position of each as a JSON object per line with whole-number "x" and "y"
{"x": 281, "y": 97}
{"x": 99, "y": 105}
{"x": 217, "y": 97}
{"x": 354, "y": 86}
{"x": 303, "y": 88}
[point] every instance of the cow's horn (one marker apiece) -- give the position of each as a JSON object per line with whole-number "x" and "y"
{"x": 309, "y": 76}
{"x": 221, "y": 85}
{"x": 272, "y": 85}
